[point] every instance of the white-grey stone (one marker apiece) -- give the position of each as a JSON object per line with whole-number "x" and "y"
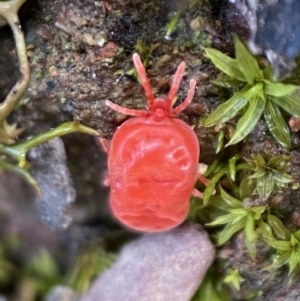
{"x": 166, "y": 266}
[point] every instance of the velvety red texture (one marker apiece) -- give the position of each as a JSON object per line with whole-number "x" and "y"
{"x": 152, "y": 172}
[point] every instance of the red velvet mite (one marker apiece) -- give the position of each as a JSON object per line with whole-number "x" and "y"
{"x": 153, "y": 160}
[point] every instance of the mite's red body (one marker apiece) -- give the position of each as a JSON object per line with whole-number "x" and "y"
{"x": 152, "y": 172}
{"x": 153, "y": 161}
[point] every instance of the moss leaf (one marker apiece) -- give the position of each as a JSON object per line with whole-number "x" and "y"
{"x": 279, "y": 162}
{"x": 278, "y": 89}
{"x": 231, "y": 217}
{"x": 232, "y": 168}
{"x": 249, "y": 228}
{"x": 251, "y": 245}
{"x": 264, "y": 186}
{"x": 258, "y": 211}
{"x": 280, "y": 261}
{"x": 229, "y": 230}
{"x": 280, "y": 245}
{"x": 266, "y": 230}
{"x": 246, "y": 188}
{"x": 258, "y": 173}
{"x": 225, "y": 63}
{"x": 212, "y": 184}
{"x": 276, "y": 124}
{"x": 234, "y": 279}
{"x": 232, "y": 106}
{"x": 294, "y": 260}
{"x": 225, "y": 81}
{"x": 220, "y": 141}
{"x": 282, "y": 177}
{"x": 297, "y": 235}
{"x": 259, "y": 161}
{"x": 290, "y": 103}
{"x": 279, "y": 229}
{"x": 249, "y": 119}
{"x": 247, "y": 62}
{"x": 210, "y": 291}
{"x": 230, "y": 200}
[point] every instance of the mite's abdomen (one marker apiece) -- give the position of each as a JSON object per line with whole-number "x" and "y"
{"x": 152, "y": 173}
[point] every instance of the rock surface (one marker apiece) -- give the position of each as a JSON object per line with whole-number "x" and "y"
{"x": 49, "y": 168}
{"x": 285, "y": 292}
{"x": 274, "y": 31}
{"x": 165, "y": 266}
{"x": 61, "y": 293}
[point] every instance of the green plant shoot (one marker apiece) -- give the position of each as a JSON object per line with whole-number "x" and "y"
{"x": 256, "y": 93}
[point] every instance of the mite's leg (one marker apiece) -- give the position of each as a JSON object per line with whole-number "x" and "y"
{"x": 143, "y": 79}
{"x": 126, "y": 111}
{"x": 188, "y": 100}
{"x": 203, "y": 180}
{"x": 105, "y": 179}
{"x": 197, "y": 193}
{"x": 175, "y": 85}
{"x": 105, "y": 144}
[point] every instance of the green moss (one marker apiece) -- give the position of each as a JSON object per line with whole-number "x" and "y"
{"x": 171, "y": 25}
{"x": 286, "y": 244}
{"x": 8, "y": 268}
{"x": 269, "y": 175}
{"x": 145, "y": 53}
{"x": 89, "y": 264}
{"x": 212, "y": 288}
{"x": 239, "y": 217}
{"x": 255, "y": 93}
{"x": 41, "y": 273}
{"x": 224, "y": 168}
{"x": 235, "y": 210}
{"x": 234, "y": 279}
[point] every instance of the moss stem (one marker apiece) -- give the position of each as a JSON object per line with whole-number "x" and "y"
{"x": 19, "y": 150}
{"x": 9, "y": 10}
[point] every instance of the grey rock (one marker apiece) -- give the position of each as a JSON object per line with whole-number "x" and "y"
{"x": 274, "y": 31}
{"x": 61, "y": 293}
{"x": 49, "y": 168}
{"x": 165, "y": 266}
{"x": 20, "y": 218}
